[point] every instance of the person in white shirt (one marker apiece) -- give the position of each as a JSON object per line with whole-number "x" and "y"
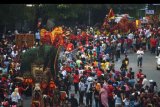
{"x": 82, "y": 89}
{"x": 145, "y": 82}
{"x": 126, "y": 101}
{"x": 14, "y": 53}
{"x": 37, "y": 37}
{"x": 147, "y": 33}
{"x": 130, "y": 36}
{"x": 64, "y": 73}
{"x": 140, "y": 54}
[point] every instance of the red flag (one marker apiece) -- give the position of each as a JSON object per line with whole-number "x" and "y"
{"x": 111, "y": 14}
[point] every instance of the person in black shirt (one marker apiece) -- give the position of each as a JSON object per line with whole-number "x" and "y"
{"x": 1, "y": 93}
{"x": 125, "y": 62}
{"x": 123, "y": 66}
{"x": 73, "y": 101}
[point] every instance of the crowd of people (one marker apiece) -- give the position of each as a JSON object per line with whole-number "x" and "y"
{"x": 12, "y": 89}
{"x": 91, "y": 70}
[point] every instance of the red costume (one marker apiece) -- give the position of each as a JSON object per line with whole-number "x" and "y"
{"x": 68, "y": 69}
{"x": 76, "y": 78}
{"x": 70, "y": 47}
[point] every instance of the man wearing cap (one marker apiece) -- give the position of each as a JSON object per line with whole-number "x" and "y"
{"x": 89, "y": 91}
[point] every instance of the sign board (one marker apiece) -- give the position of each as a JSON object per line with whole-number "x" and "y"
{"x": 24, "y": 39}
{"x": 149, "y": 11}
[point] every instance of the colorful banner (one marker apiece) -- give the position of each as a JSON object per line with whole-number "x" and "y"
{"x": 111, "y": 14}
{"x": 138, "y": 23}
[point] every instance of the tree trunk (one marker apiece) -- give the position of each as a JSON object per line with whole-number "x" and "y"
{"x": 5, "y": 28}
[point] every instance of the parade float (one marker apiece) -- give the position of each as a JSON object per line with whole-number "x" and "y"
{"x": 122, "y": 26}
{"x": 39, "y": 64}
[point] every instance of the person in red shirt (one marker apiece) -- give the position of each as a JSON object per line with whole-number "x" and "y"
{"x": 21, "y": 89}
{"x": 70, "y": 46}
{"x": 139, "y": 76}
{"x": 88, "y": 71}
{"x": 98, "y": 72}
{"x": 76, "y": 81}
{"x": 129, "y": 74}
{"x": 153, "y": 43}
{"x": 68, "y": 68}
{"x": 110, "y": 94}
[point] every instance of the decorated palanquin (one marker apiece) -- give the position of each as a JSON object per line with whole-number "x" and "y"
{"x": 55, "y": 37}
{"x": 58, "y": 37}
{"x": 24, "y": 40}
{"x": 124, "y": 26}
{"x": 38, "y": 73}
{"x": 37, "y": 96}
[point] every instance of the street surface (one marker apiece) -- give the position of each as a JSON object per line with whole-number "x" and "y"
{"x": 148, "y": 68}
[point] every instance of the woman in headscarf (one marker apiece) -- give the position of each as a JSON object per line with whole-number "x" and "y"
{"x": 104, "y": 95}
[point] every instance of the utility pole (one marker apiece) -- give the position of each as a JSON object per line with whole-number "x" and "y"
{"x": 89, "y": 17}
{"x": 88, "y": 14}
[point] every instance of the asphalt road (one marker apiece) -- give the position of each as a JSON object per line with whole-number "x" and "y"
{"x": 148, "y": 68}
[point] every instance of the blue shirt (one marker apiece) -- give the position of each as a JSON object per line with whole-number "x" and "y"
{"x": 132, "y": 82}
{"x": 37, "y": 34}
{"x": 4, "y": 70}
{"x": 118, "y": 100}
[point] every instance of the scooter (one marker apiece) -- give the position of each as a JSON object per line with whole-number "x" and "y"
{"x": 158, "y": 62}
{"x": 158, "y": 50}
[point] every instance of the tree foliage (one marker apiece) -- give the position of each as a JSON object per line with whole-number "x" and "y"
{"x": 68, "y": 14}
